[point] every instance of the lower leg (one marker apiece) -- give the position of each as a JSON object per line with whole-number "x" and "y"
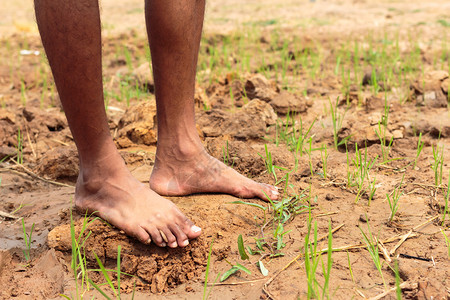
{"x": 182, "y": 165}
{"x": 71, "y": 36}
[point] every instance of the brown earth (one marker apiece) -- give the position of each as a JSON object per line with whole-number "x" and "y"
{"x": 239, "y": 111}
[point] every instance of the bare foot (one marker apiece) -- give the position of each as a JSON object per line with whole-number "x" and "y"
{"x": 116, "y": 196}
{"x": 187, "y": 171}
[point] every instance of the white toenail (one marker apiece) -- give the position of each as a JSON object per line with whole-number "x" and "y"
{"x": 173, "y": 245}
{"x": 164, "y": 237}
{"x": 185, "y": 243}
{"x": 148, "y": 241}
{"x": 163, "y": 244}
{"x": 195, "y": 228}
{"x": 275, "y": 193}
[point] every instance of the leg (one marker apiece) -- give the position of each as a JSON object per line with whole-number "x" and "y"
{"x": 182, "y": 165}
{"x": 71, "y": 36}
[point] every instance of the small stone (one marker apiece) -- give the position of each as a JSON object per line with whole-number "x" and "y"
{"x": 364, "y": 218}
{"x": 329, "y": 197}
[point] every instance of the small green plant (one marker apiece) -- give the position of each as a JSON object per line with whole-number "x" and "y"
{"x": 372, "y": 246}
{"x": 324, "y": 156}
{"x": 23, "y": 92}
{"x": 226, "y": 156}
{"x": 208, "y": 265}
{"x": 398, "y": 289}
{"x": 28, "y": 240}
{"x": 269, "y": 163}
{"x": 19, "y": 156}
{"x": 420, "y": 145}
{"x": 393, "y": 199}
{"x": 447, "y": 241}
{"x": 361, "y": 173}
{"x": 337, "y": 119}
{"x": 312, "y": 258}
{"x": 438, "y": 163}
{"x": 237, "y": 267}
{"x": 382, "y": 131}
{"x": 78, "y": 261}
{"x": 350, "y": 267}
{"x": 444, "y": 214}
{"x": 105, "y": 274}
{"x": 372, "y": 189}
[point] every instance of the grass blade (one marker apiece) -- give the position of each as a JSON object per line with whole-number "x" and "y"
{"x": 228, "y": 274}
{"x": 262, "y": 268}
{"x": 241, "y": 248}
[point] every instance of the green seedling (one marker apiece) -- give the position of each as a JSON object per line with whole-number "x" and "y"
{"x": 398, "y": 289}
{"x": 324, "y": 156}
{"x": 312, "y": 258}
{"x": 105, "y": 274}
{"x": 19, "y": 156}
{"x": 386, "y": 145}
{"x": 226, "y": 156}
{"x": 438, "y": 163}
{"x": 234, "y": 268}
{"x": 23, "y": 93}
{"x": 28, "y": 240}
{"x": 420, "y": 145}
{"x": 393, "y": 199}
{"x": 208, "y": 265}
{"x": 350, "y": 267}
{"x": 337, "y": 119}
{"x": 444, "y": 214}
{"x": 372, "y": 246}
{"x": 372, "y": 190}
{"x": 382, "y": 132}
{"x": 78, "y": 258}
{"x": 241, "y": 248}
{"x": 447, "y": 241}
{"x": 362, "y": 167}
{"x": 269, "y": 164}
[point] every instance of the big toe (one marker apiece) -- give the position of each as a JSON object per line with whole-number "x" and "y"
{"x": 267, "y": 192}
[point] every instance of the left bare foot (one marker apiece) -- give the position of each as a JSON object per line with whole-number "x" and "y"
{"x": 179, "y": 172}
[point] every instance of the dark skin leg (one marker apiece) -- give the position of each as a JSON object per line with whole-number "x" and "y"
{"x": 71, "y": 36}
{"x": 70, "y": 32}
{"x": 182, "y": 165}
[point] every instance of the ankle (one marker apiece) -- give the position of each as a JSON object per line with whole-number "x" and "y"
{"x": 179, "y": 149}
{"x": 101, "y": 169}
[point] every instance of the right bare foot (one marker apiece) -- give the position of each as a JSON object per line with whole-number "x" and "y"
{"x": 112, "y": 193}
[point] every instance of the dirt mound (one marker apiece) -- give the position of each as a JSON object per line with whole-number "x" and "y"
{"x": 248, "y": 123}
{"x": 236, "y": 154}
{"x": 44, "y": 278}
{"x": 138, "y": 125}
{"x": 59, "y": 163}
{"x": 431, "y": 89}
{"x": 158, "y": 269}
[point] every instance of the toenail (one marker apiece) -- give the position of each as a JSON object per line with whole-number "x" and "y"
{"x": 196, "y": 229}
{"x": 164, "y": 237}
{"x": 185, "y": 243}
{"x": 275, "y": 193}
{"x": 148, "y": 241}
{"x": 173, "y": 245}
{"x": 163, "y": 244}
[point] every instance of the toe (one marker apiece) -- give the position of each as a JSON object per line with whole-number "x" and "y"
{"x": 182, "y": 239}
{"x": 187, "y": 226}
{"x": 168, "y": 237}
{"x": 156, "y": 237}
{"x": 141, "y": 234}
{"x": 271, "y": 191}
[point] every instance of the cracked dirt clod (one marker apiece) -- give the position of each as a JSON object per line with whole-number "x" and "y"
{"x": 158, "y": 269}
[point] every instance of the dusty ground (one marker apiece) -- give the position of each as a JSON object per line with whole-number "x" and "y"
{"x": 259, "y": 61}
